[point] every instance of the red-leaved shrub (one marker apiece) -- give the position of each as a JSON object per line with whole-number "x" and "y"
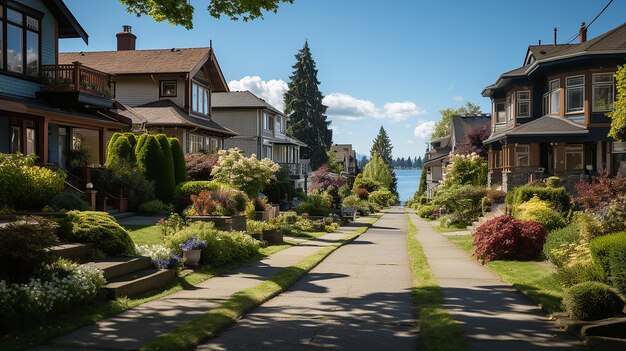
{"x": 508, "y": 238}
{"x": 362, "y": 193}
{"x": 601, "y": 191}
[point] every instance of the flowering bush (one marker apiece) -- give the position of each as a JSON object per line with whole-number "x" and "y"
{"x": 540, "y": 211}
{"x": 466, "y": 170}
{"x": 56, "y": 287}
{"x": 508, "y": 238}
{"x": 162, "y": 257}
{"x": 247, "y": 174}
{"x": 193, "y": 244}
{"x": 222, "y": 202}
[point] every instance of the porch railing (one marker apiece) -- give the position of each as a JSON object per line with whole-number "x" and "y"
{"x": 295, "y": 169}
{"x": 75, "y": 77}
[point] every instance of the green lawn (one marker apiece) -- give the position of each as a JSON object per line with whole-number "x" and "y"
{"x": 535, "y": 279}
{"x": 452, "y": 228}
{"x": 145, "y": 235}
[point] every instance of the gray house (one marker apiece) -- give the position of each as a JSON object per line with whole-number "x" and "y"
{"x": 261, "y": 129}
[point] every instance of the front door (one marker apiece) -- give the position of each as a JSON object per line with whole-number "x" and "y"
{"x": 550, "y": 169}
{"x": 62, "y": 143}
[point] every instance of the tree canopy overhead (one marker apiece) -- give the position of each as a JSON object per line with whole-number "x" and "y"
{"x": 443, "y": 127}
{"x": 307, "y": 114}
{"x": 180, "y": 12}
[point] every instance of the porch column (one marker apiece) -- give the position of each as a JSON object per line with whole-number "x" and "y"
{"x": 559, "y": 158}
{"x": 101, "y": 146}
{"x": 44, "y": 141}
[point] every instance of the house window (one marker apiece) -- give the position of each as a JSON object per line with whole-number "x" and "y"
{"x": 19, "y": 41}
{"x": 574, "y": 157}
{"x": 214, "y": 145}
{"x": 268, "y": 123}
{"x": 574, "y": 94}
{"x": 196, "y": 143}
{"x": 168, "y": 88}
{"x": 522, "y": 156}
{"x": 545, "y": 102}
{"x": 509, "y": 108}
{"x": 555, "y": 97}
{"x": 603, "y": 92}
{"x": 523, "y": 103}
{"x": 16, "y": 139}
{"x": 200, "y": 99}
{"x": 500, "y": 112}
{"x": 267, "y": 152}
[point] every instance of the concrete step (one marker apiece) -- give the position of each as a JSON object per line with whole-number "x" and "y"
{"x": 72, "y": 251}
{"x": 139, "y": 282}
{"x": 114, "y": 267}
{"x": 122, "y": 215}
{"x": 112, "y": 211}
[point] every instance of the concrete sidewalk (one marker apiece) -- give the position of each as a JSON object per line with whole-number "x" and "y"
{"x": 493, "y": 315}
{"x": 359, "y": 298}
{"x": 136, "y": 327}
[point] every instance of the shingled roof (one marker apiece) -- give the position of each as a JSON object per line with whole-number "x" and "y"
{"x": 152, "y": 61}
{"x": 240, "y": 99}
{"x": 547, "y": 125}
{"x": 167, "y": 113}
{"x": 611, "y": 42}
{"x": 462, "y": 125}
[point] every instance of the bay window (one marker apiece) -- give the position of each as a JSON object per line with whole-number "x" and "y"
{"x": 200, "y": 99}
{"x": 574, "y": 94}
{"x": 20, "y": 40}
{"x": 522, "y": 156}
{"x": 509, "y": 107}
{"x": 523, "y": 103}
{"x": 574, "y": 157}
{"x": 500, "y": 113}
{"x": 555, "y": 97}
{"x": 603, "y": 92}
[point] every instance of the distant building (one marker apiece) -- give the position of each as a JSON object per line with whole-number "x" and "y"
{"x": 346, "y": 156}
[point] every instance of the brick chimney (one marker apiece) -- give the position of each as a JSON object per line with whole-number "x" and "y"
{"x": 126, "y": 39}
{"x": 582, "y": 33}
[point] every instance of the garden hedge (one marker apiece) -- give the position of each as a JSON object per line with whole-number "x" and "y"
{"x": 150, "y": 160}
{"x": 120, "y": 151}
{"x": 178, "y": 156}
{"x": 609, "y": 252}
{"x": 558, "y": 198}
{"x": 98, "y": 228}
{"x": 592, "y": 301}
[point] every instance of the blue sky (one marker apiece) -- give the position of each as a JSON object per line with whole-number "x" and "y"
{"x": 391, "y": 63}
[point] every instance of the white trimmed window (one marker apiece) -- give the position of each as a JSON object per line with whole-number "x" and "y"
{"x": 196, "y": 143}
{"x": 555, "y": 97}
{"x": 574, "y": 94}
{"x": 500, "y": 112}
{"x": 268, "y": 123}
{"x": 509, "y": 108}
{"x": 574, "y": 157}
{"x": 523, "y": 103}
{"x": 522, "y": 156}
{"x": 545, "y": 103}
{"x": 603, "y": 92}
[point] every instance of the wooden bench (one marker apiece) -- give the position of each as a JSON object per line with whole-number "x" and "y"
{"x": 348, "y": 212}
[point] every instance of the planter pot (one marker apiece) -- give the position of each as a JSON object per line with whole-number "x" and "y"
{"x": 193, "y": 257}
{"x": 238, "y": 223}
{"x": 258, "y": 237}
{"x": 273, "y": 236}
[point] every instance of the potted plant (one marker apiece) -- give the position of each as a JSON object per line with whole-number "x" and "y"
{"x": 223, "y": 207}
{"x": 192, "y": 250}
{"x": 272, "y": 234}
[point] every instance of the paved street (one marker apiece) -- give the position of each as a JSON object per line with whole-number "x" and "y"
{"x": 357, "y": 299}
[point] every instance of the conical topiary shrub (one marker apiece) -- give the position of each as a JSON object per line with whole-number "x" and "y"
{"x": 180, "y": 169}
{"x": 120, "y": 151}
{"x": 150, "y": 160}
{"x": 167, "y": 166}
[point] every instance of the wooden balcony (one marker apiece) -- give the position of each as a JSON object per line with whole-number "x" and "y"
{"x": 75, "y": 84}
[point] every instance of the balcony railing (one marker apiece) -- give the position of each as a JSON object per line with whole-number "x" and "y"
{"x": 76, "y": 78}
{"x": 295, "y": 169}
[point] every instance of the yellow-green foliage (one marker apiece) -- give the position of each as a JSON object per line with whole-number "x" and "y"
{"x": 538, "y": 210}
{"x": 618, "y": 116}
{"x": 98, "y": 228}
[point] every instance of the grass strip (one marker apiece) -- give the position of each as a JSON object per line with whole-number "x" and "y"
{"x": 205, "y": 327}
{"x": 437, "y": 328}
{"x": 534, "y": 279}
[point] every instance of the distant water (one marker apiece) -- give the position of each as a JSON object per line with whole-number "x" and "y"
{"x": 408, "y": 181}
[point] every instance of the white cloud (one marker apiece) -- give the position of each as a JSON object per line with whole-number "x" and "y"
{"x": 409, "y": 141}
{"x": 424, "y": 129}
{"x": 271, "y": 91}
{"x": 335, "y": 129}
{"x": 349, "y": 108}
{"x": 458, "y": 98}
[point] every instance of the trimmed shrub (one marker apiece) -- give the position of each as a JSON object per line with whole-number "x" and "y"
{"x": 557, "y": 238}
{"x": 120, "y": 150}
{"x": 154, "y": 207}
{"x": 24, "y": 186}
{"x": 222, "y": 248}
{"x": 98, "y": 228}
{"x": 553, "y": 182}
{"x": 609, "y": 252}
{"x": 495, "y": 196}
{"x": 383, "y": 198}
{"x": 540, "y": 211}
{"x": 354, "y": 201}
{"x": 69, "y": 200}
{"x": 558, "y": 198}
{"x": 362, "y": 193}
{"x": 427, "y": 211}
{"x": 150, "y": 160}
{"x": 167, "y": 167}
{"x": 361, "y": 182}
{"x": 23, "y": 249}
{"x": 507, "y": 238}
{"x": 178, "y": 156}
{"x": 590, "y": 301}
{"x": 316, "y": 204}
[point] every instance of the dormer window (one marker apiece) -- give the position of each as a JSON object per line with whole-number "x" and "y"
{"x": 523, "y": 103}
{"x": 574, "y": 94}
{"x": 20, "y": 53}
{"x": 603, "y": 92}
{"x": 500, "y": 113}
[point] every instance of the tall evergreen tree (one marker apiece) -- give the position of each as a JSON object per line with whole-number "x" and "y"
{"x": 418, "y": 162}
{"x": 409, "y": 162}
{"x": 382, "y": 146}
{"x": 303, "y": 104}
{"x": 363, "y": 162}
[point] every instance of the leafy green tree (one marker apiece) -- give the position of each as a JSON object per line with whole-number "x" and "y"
{"x": 180, "y": 168}
{"x": 333, "y": 165}
{"x": 180, "y": 12}
{"x": 378, "y": 170}
{"x": 618, "y": 116}
{"x": 443, "y": 128}
{"x": 382, "y": 146}
{"x": 303, "y": 104}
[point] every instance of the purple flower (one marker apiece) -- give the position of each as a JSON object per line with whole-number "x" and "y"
{"x": 193, "y": 244}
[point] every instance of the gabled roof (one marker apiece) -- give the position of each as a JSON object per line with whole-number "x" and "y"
{"x": 462, "y": 125}
{"x": 288, "y": 140}
{"x": 68, "y": 25}
{"x": 241, "y": 99}
{"x": 124, "y": 62}
{"x": 611, "y": 42}
{"x": 546, "y": 125}
{"x": 167, "y": 113}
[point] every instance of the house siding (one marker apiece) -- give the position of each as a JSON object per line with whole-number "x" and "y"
{"x": 27, "y": 88}
{"x": 249, "y": 145}
{"x": 241, "y": 121}
{"x": 139, "y": 90}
